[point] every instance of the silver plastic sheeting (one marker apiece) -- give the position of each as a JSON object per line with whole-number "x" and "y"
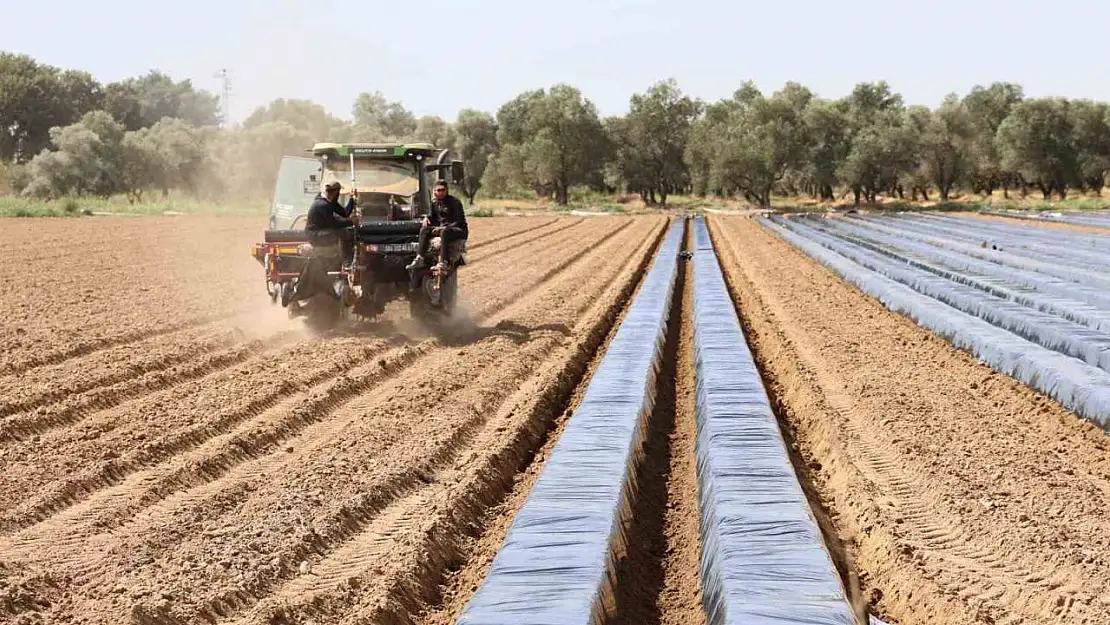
{"x": 1085, "y": 285}
{"x": 1026, "y": 233}
{"x": 1023, "y": 244}
{"x": 1056, "y": 333}
{"x": 1100, "y": 218}
{"x": 1073, "y": 239}
{"x": 1074, "y": 384}
{"x": 763, "y": 558}
{"x": 556, "y": 564}
{"x": 999, "y": 257}
{"x": 1081, "y": 304}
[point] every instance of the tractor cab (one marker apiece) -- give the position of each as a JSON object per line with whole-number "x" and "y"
{"x": 393, "y": 180}
{"x": 394, "y": 183}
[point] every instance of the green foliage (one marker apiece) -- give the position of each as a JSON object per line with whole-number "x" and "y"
{"x": 475, "y": 143}
{"x": 550, "y": 140}
{"x": 305, "y": 115}
{"x": 651, "y": 141}
{"x": 749, "y": 143}
{"x": 378, "y": 119}
{"x": 64, "y": 137}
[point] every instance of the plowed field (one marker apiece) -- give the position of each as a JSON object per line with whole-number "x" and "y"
{"x": 176, "y": 451}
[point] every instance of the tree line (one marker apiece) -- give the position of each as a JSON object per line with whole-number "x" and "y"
{"x": 63, "y": 133}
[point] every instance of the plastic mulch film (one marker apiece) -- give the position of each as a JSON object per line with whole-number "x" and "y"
{"x": 1029, "y": 245}
{"x": 1002, "y": 257}
{"x": 763, "y": 558}
{"x": 556, "y": 564}
{"x": 1076, "y": 302}
{"x": 1092, "y": 292}
{"x": 1055, "y": 333}
{"x": 1096, "y": 294}
{"x": 1072, "y": 240}
{"x": 1101, "y": 220}
{"x": 1076, "y": 385}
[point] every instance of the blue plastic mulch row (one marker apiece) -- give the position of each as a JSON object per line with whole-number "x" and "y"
{"x": 1077, "y": 386}
{"x": 763, "y": 557}
{"x": 556, "y": 566}
{"x": 1050, "y": 331}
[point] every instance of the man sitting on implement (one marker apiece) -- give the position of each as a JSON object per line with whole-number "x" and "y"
{"x": 328, "y": 227}
{"x": 448, "y": 220}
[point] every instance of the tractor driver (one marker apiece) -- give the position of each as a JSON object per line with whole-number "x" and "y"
{"x": 448, "y": 217}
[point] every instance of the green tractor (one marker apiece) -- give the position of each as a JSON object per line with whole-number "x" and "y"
{"x": 394, "y": 183}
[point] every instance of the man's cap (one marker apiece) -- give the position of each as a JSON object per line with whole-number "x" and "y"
{"x": 333, "y": 186}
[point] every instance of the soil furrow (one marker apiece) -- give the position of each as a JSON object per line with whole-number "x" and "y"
{"x": 497, "y": 363}
{"x": 365, "y": 579}
{"x": 213, "y": 459}
{"x": 220, "y": 416}
{"x": 190, "y": 366}
{"x": 108, "y": 393}
{"x": 658, "y": 580}
{"x": 49, "y": 385}
{"x": 558, "y": 223}
{"x": 171, "y": 281}
{"x": 115, "y": 466}
{"x": 18, "y": 366}
{"x": 942, "y": 491}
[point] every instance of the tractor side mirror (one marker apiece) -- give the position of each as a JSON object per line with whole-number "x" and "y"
{"x": 458, "y": 172}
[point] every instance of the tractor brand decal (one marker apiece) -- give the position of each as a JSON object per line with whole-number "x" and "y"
{"x": 397, "y": 150}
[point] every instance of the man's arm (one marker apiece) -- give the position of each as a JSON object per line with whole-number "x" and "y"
{"x": 435, "y": 220}
{"x": 350, "y": 208}
{"x": 341, "y": 221}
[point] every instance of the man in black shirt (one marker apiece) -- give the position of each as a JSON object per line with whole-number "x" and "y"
{"x": 448, "y": 217}
{"x": 327, "y": 221}
{"x": 327, "y": 224}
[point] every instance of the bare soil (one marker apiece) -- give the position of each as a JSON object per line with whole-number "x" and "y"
{"x": 963, "y": 496}
{"x": 230, "y": 470}
{"x": 173, "y": 450}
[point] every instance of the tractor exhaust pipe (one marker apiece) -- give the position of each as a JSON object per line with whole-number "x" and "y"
{"x": 442, "y": 158}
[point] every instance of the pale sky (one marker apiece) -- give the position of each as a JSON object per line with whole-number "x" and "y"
{"x": 438, "y": 56}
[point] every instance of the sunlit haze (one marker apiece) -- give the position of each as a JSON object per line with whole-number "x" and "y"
{"x": 438, "y": 56}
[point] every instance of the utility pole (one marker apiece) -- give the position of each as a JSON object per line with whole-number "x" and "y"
{"x": 225, "y": 97}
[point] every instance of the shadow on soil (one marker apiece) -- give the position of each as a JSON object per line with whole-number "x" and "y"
{"x": 458, "y": 332}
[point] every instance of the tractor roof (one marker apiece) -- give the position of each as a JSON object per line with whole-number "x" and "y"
{"x": 374, "y": 150}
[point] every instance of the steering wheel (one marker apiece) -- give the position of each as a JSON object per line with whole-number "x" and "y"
{"x": 292, "y": 225}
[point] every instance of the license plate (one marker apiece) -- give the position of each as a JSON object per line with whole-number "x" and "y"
{"x": 394, "y": 248}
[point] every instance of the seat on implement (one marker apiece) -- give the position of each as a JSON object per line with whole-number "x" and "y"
{"x": 387, "y": 232}
{"x": 368, "y": 232}
{"x": 286, "y": 236}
